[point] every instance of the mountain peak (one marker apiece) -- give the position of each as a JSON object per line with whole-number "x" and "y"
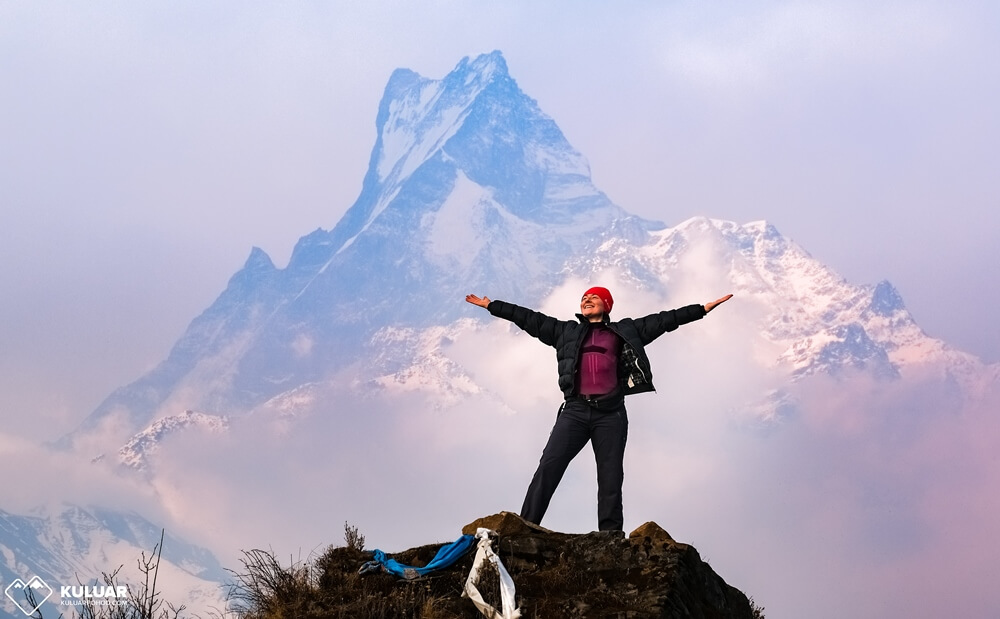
{"x": 258, "y": 261}
{"x": 886, "y": 299}
{"x": 475, "y": 121}
{"x": 469, "y": 71}
{"x": 484, "y": 67}
{"x": 417, "y": 116}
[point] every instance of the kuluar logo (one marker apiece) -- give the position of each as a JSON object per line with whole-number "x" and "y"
{"x": 34, "y": 591}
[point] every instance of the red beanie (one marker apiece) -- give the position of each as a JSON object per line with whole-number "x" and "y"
{"x": 605, "y": 295}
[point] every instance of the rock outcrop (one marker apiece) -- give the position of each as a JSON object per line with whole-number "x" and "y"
{"x": 592, "y": 575}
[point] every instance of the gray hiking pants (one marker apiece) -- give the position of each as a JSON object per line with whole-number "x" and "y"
{"x": 605, "y": 425}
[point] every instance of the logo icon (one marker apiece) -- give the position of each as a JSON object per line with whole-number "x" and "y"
{"x": 25, "y": 593}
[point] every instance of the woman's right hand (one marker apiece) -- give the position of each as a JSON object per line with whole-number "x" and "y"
{"x": 481, "y": 302}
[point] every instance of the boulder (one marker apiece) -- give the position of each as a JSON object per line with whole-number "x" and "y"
{"x": 504, "y": 523}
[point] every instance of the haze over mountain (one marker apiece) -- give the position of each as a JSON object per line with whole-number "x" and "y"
{"x": 355, "y": 383}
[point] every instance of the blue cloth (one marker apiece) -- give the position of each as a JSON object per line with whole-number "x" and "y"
{"x": 446, "y": 555}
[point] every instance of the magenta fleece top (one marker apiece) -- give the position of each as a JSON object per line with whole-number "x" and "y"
{"x": 599, "y": 361}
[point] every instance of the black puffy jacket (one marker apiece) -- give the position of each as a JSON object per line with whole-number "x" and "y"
{"x": 567, "y": 337}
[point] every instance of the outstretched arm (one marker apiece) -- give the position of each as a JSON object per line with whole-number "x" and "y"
{"x": 713, "y": 304}
{"x": 481, "y": 302}
{"x": 535, "y": 324}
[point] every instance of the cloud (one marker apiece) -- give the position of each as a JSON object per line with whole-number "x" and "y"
{"x": 847, "y": 504}
{"x": 754, "y": 48}
{"x": 37, "y": 475}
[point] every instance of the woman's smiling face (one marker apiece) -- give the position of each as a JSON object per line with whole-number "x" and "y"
{"x": 592, "y": 307}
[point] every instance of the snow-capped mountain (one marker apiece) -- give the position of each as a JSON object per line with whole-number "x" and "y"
{"x": 808, "y": 319}
{"x": 820, "y": 321}
{"x": 469, "y": 185}
{"x": 74, "y": 545}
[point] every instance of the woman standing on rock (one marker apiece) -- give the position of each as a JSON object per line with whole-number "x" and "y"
{"x": 599, "y": 363}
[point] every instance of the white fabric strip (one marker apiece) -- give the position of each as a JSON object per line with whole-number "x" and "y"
{"x": 484, "y": 552}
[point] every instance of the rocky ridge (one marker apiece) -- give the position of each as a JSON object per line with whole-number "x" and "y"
{"x": 595, "y": 575}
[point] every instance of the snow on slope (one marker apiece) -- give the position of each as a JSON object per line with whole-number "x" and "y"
{"x": 70, "y": 544}
{"x": 812, "y": 322}
{"x": 136, "y": 452}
